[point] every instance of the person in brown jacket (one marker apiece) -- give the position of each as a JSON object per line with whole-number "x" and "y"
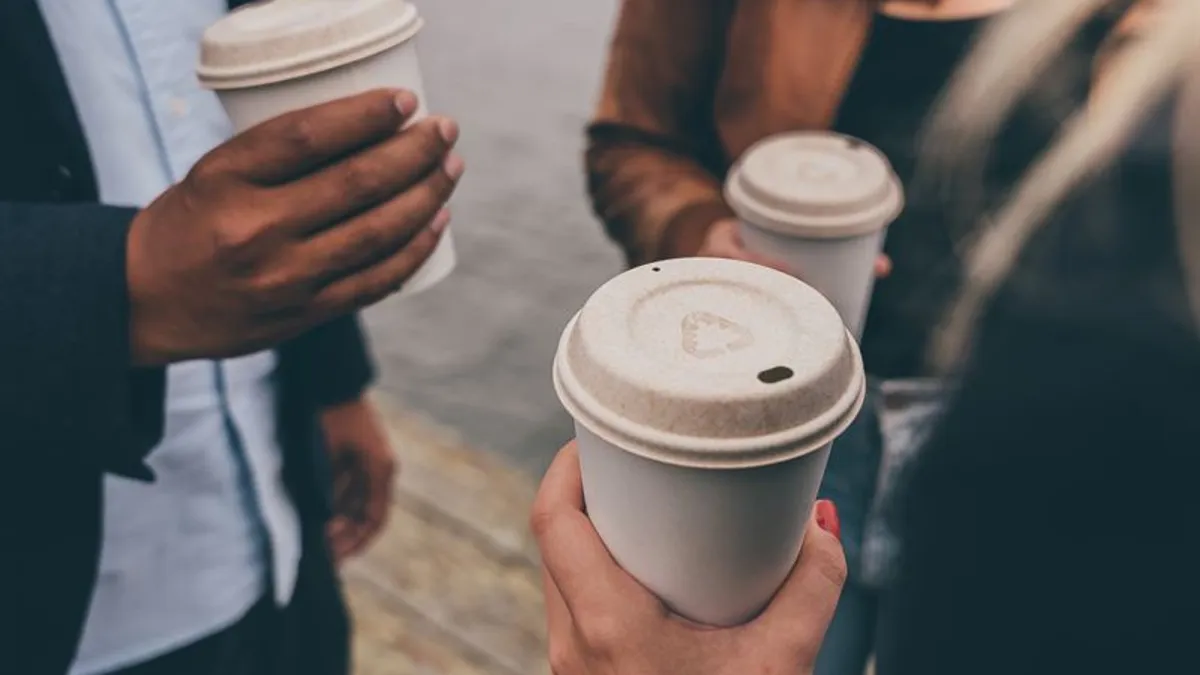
{"x": 692, "y": 84}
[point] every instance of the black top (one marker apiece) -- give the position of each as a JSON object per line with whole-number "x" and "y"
{"x": 1051, "y": 522}
{"x": 903, "y": 69}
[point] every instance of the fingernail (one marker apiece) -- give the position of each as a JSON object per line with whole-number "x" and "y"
{"x": 448, "y": 130}
{"x": 827, "y": 518}
{"x": 406, "y": 102}
{"x": 440, "y": 221}
{"x": 453, "y": 166}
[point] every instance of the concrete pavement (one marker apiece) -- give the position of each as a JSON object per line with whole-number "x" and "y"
{"x": 474, "y": 353}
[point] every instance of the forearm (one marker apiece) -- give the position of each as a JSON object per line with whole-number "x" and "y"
{"x": 68, "y": 384}
{"x": 655, "y": 202}
{"x": 654, "y": 160}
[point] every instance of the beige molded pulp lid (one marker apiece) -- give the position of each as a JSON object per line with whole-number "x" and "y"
{"x": 278, "y": 40}
{"x": 710, "y": 363}
{"x": 815, "y": 184}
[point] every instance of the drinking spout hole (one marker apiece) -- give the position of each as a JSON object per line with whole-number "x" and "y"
{"x": 775, "y": 375}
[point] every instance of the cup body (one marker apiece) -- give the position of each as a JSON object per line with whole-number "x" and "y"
{"x": 713, "y": 544}
{"x": 843, "y": 270}
{"x": 397, "y": 67}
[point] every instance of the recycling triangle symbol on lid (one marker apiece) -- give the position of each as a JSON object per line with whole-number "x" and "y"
{"x": 706, "y": 335}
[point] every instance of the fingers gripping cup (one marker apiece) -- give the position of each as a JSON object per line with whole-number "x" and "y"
{"x": 820, "y": 202}
{"x": 706, "y": 394}
{"x": 269, "y": 58}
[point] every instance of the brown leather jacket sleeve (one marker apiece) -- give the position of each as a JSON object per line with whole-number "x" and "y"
{"x": 654, "y": 162}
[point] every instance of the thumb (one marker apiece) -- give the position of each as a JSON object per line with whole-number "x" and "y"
{"x": 802, "y": 609}
{"x": 572, "y": 552}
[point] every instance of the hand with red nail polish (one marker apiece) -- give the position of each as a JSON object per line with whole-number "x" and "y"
{"x": 603, "y": 622}
{"x": 827, "y": 517}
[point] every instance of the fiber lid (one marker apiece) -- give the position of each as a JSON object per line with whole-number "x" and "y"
{"x": 268, "y": 42}
{"x": 710, "y": 363}
{"x": 815, "y": 184}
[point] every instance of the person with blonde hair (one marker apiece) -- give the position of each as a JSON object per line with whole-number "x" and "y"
{"x": 1048, "y": 525}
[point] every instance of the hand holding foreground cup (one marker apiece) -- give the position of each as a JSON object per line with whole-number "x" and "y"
{"x": 602, "y": 622}
{"x": 302, "y": 219}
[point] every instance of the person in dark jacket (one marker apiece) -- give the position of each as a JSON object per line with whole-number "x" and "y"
{"x": 181, "y": 372}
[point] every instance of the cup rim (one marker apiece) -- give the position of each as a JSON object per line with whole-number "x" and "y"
{"x": 708, "y": 453}
{"x": 749, "y": 208}
{"x": 248, "y": 76}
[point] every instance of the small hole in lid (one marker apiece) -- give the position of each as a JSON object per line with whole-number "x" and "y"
{"x": 655, "y": 269}
{"x": 775, "y": 375}
{"x": 853, "y": 143}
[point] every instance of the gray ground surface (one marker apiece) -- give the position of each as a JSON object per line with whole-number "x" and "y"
{"x": 474, "y": 353}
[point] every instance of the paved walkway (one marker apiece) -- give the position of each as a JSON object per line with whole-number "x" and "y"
{"x": 452, "y": 586}
{"x": 475, "y": 352}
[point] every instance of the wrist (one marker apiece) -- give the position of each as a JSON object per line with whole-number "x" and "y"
{"x": 146, "y": 346}
{"x": 142, "y": 350}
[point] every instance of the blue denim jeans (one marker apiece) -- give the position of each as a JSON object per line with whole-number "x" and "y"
{"x": 850, "y": 482}
{"x": 864, "y": 479}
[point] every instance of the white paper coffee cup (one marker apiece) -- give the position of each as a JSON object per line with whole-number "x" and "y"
{"x": 821, "y": 203}
{"x": 706, "y": 394}
{"x": 269, "y": 58}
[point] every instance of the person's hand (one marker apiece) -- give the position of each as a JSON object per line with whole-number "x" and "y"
{"x": 294, "y": 222}
{"x": 364, "y": 470}
{"x": 724, "y": 240}
{"x": 602, "y": 622}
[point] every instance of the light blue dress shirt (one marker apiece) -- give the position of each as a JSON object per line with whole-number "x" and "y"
{"x": 189, "y": 554}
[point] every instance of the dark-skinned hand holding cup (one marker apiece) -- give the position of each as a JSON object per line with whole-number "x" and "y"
{"x": 296, "y": 221}
{"x": 268, "y": 58}
{"x": 330, "y": 198}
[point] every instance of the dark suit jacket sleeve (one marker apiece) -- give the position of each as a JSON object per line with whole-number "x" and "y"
{"x": 330, "y": 364}
{"x": 66, "y": 385}
{"x": 65, "y": 378}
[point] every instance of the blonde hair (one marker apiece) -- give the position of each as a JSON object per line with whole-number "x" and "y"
{"x": 1013, "y": 52}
